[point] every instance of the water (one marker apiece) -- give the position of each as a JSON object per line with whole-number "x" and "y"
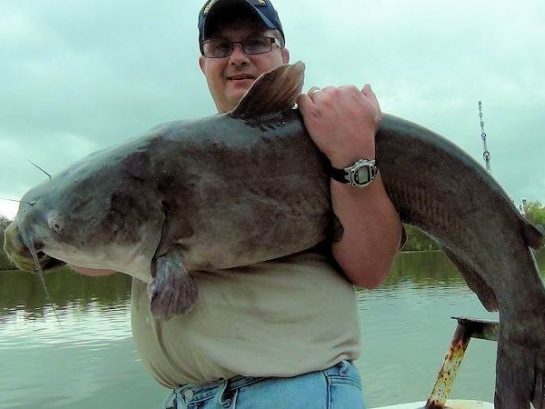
{"x": 90, "y": 361}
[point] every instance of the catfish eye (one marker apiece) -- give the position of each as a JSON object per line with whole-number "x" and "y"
{"x": 55, "y": 225}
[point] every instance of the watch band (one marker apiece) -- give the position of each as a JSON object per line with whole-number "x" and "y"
{"x": 338, "y": 174}
{"x": 360, "y": 174}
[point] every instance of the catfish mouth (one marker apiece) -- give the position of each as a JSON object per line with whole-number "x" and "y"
{"x": 21, "y": 255}
{"x": 45, "y": 261}
{"x": 48, "y": 263}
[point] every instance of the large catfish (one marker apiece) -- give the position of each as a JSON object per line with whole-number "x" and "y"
{"x": 248, "y": 186}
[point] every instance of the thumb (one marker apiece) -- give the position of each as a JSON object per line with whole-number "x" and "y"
{"x": 372, "y": 98}
{"x": 367, "y": 91}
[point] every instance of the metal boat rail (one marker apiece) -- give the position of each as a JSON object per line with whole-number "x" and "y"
{"x": 467, "y": 328}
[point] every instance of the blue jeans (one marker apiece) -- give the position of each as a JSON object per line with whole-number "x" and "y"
{"x": 338, "y": 387}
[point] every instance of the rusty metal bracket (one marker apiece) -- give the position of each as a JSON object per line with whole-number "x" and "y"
{"x": 466, "y": 329}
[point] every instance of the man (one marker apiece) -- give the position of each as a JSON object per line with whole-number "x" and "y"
{"x": 283, "y": 333}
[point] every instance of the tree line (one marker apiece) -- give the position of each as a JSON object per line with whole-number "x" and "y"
{"x": 5, "y": 264}
{"x": 534, "y": 212}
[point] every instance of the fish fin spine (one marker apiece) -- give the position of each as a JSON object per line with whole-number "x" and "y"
{"x": 274, "y": 91}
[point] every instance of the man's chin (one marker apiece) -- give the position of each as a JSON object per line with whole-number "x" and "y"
{"x": 234, "y": 98}
{"x": 232, "y": 94}
{"x": 239, "y": 87}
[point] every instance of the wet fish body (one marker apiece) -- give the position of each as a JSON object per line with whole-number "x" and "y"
{"x": 249, "y": 186}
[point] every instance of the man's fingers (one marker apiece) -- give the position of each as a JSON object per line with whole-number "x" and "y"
{"x": 304, "y": 102}
{"x": 307, "y": 102}
{"x": 314, "y": 90}
{"x": 316, "y": 97}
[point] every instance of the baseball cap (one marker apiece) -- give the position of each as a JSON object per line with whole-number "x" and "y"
{"x": 214, "y": 9}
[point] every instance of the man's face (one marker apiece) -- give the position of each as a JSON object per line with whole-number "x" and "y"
{"x": 229, "y": 78}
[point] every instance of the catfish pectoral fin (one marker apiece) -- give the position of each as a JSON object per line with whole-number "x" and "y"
{"x": 172, "y": 290}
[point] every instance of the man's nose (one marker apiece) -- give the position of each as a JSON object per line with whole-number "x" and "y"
{"x": 238, "y": 56}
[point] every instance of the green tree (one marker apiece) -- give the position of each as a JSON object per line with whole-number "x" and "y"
{"x": 534, "y": 212}
{"x": 5, "y": 264}
{"x": 418, "y": 240}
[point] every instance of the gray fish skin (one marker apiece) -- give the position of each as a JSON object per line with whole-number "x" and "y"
{"x": 441, "y": 190}
{"x": 249, "y": 186}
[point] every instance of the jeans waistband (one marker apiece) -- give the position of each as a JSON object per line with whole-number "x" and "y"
{"x": 205, "y": 391}
{"x": 226, "y": 387}
{"x": 194, "y": 393}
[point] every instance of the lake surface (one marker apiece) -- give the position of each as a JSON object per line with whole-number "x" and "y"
{"x": 90, "y": 361}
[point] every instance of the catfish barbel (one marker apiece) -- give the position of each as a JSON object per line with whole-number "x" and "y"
{"x": 248, "y": 186}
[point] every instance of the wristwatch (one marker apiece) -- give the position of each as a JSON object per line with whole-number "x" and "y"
{"x": 360, "y": 174}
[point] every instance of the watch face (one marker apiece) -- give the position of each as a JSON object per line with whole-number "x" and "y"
{"x": 362, "y": 175}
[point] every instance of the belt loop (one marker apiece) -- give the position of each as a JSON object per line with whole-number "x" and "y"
{"x": 171, "y": 399}
{"x": 344, "y": 367}
{"x": 220, "y": 398}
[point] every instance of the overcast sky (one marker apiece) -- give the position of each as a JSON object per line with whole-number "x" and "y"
{"x": 77, "y": 76}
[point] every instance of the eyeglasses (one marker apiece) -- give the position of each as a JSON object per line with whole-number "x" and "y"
{"x": 251, "y": 46}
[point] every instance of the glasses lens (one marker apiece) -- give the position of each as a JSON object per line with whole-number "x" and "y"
{"x": 224, "y": 48}
{"x": 217, "y": 48}
{"x": 257, "y": 45}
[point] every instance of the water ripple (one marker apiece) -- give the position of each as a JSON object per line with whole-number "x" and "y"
{"x": 91, "y": 326}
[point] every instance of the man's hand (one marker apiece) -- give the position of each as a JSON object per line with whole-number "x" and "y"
{"x": 342, "y": 122}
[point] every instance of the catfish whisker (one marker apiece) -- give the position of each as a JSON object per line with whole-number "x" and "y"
{"x": 40, "y": 273}
{"x": 32, "y": 163}
{"x": 18, "y": 201}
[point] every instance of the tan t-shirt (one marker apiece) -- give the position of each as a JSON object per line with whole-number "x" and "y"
{"x": 278, "y": 318}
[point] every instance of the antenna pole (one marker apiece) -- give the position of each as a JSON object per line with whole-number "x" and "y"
{"x": 486, "y": 153}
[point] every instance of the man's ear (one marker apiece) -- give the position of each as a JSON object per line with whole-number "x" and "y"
{"x": 202, "y": 61}
{"x": 285, "y": 55}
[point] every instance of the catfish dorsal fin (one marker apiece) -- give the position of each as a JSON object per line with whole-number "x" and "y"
{"x": 275, "y": 91}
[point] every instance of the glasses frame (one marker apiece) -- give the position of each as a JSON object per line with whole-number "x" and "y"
{"x": 272, "y": 41}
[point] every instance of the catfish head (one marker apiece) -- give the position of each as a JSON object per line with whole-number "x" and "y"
{"x": 95, "y": 214}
